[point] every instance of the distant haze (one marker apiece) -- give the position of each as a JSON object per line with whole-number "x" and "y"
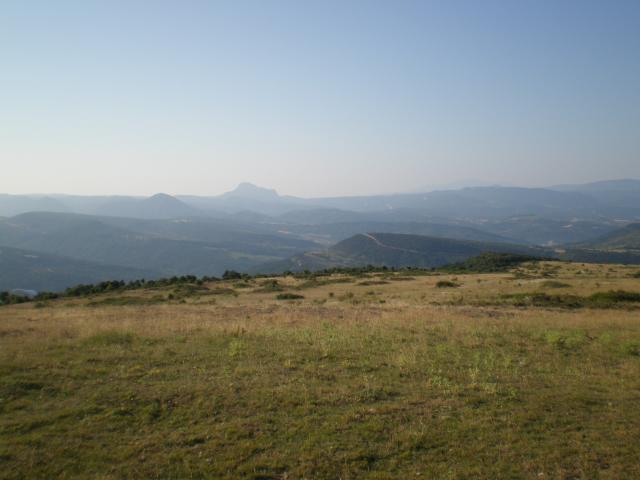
{"x": 315, "y": 98}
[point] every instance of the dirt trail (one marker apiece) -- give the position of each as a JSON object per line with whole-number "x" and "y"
{"x": 380, "y": 244}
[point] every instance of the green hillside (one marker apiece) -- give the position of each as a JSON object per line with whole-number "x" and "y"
{"x": 400, "y": 250}
{"x": 167, "y": 246}
{"x": 396, "y": 250}
{"x": 627, "y": 238}
{"x": 45, "y": 272}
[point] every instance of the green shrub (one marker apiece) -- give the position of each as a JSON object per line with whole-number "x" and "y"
{"x": 231, "y": 275}
{"x": 447, "y": 284}
{"x": 613, "y": 297}
{"x": 632, "y": 348}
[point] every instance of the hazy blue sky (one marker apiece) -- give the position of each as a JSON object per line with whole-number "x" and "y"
{"x": 315, "y": 98}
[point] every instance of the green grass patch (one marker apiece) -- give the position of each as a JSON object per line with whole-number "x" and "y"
{"x": 388, "y": 401}
{"x": 111, "y": 338}
{"x": 127, "y": 301}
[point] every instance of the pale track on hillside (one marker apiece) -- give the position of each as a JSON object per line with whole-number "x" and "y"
{"x": 380, "y": 244}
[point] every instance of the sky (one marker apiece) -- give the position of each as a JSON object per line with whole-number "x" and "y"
{"x": 315, "y": 98}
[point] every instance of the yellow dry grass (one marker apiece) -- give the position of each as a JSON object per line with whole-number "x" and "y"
{"x": 384, "y": 380}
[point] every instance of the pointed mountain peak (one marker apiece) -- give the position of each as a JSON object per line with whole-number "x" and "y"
{"x": 163, "y": 197}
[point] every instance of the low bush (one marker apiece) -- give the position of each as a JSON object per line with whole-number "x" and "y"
{"x": 289, "y": 296}
{"x": 369, "y": 283}
{"x": 269, "y": 286}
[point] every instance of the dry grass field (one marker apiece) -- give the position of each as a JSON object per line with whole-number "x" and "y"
{"x": 521, "y": 374}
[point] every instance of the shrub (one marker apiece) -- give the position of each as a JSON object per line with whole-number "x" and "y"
{"x": 610, "y": 299}
{"x": 446, "y": 284}
{"x": 231, "y": 275}
{"x": 269, "y": 286}
{"x": 289, "y": 296}
{"x": 614, "y": 297}
{"x": 490, "y": 262}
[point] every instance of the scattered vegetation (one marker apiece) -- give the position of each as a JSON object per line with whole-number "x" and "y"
{"x": 610, "y": 299}
{"x": 490, "y": 263}
{"x": 446, "y": 284}
{"x": 378, "y": 384}
{"x": 486, "y": 263}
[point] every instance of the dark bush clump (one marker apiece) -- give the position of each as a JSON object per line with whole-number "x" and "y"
{"x": 231, "y": 275}
{"x": 289, "y": 296}
{"x": 490, "y": 263}
{"x": 610, "y": 299}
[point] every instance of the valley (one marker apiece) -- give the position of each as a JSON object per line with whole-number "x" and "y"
{"x": 256, "y": 230}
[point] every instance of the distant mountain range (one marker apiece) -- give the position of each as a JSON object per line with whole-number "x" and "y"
{"x": 253, "y": 228}
{"x": 610, "y": 199}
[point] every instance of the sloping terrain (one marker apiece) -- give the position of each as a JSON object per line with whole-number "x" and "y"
{"x": 335, "y": 232}
{"x": 538, "y": 230}
{"x": 395, "y": 250}
{"x": 26, "y": 269}
{"x": 170, "y": 247}
{"x": 401, "y": 250}
{"x": 157, "y": 206}
{"x": 622, "y": 194}
{"x": 11, "y": 205}
{"x": 624, "y": 239}
{"x": 521, "y": 374}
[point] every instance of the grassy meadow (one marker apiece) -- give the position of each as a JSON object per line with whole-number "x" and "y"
{"x": 530, "y": 373}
